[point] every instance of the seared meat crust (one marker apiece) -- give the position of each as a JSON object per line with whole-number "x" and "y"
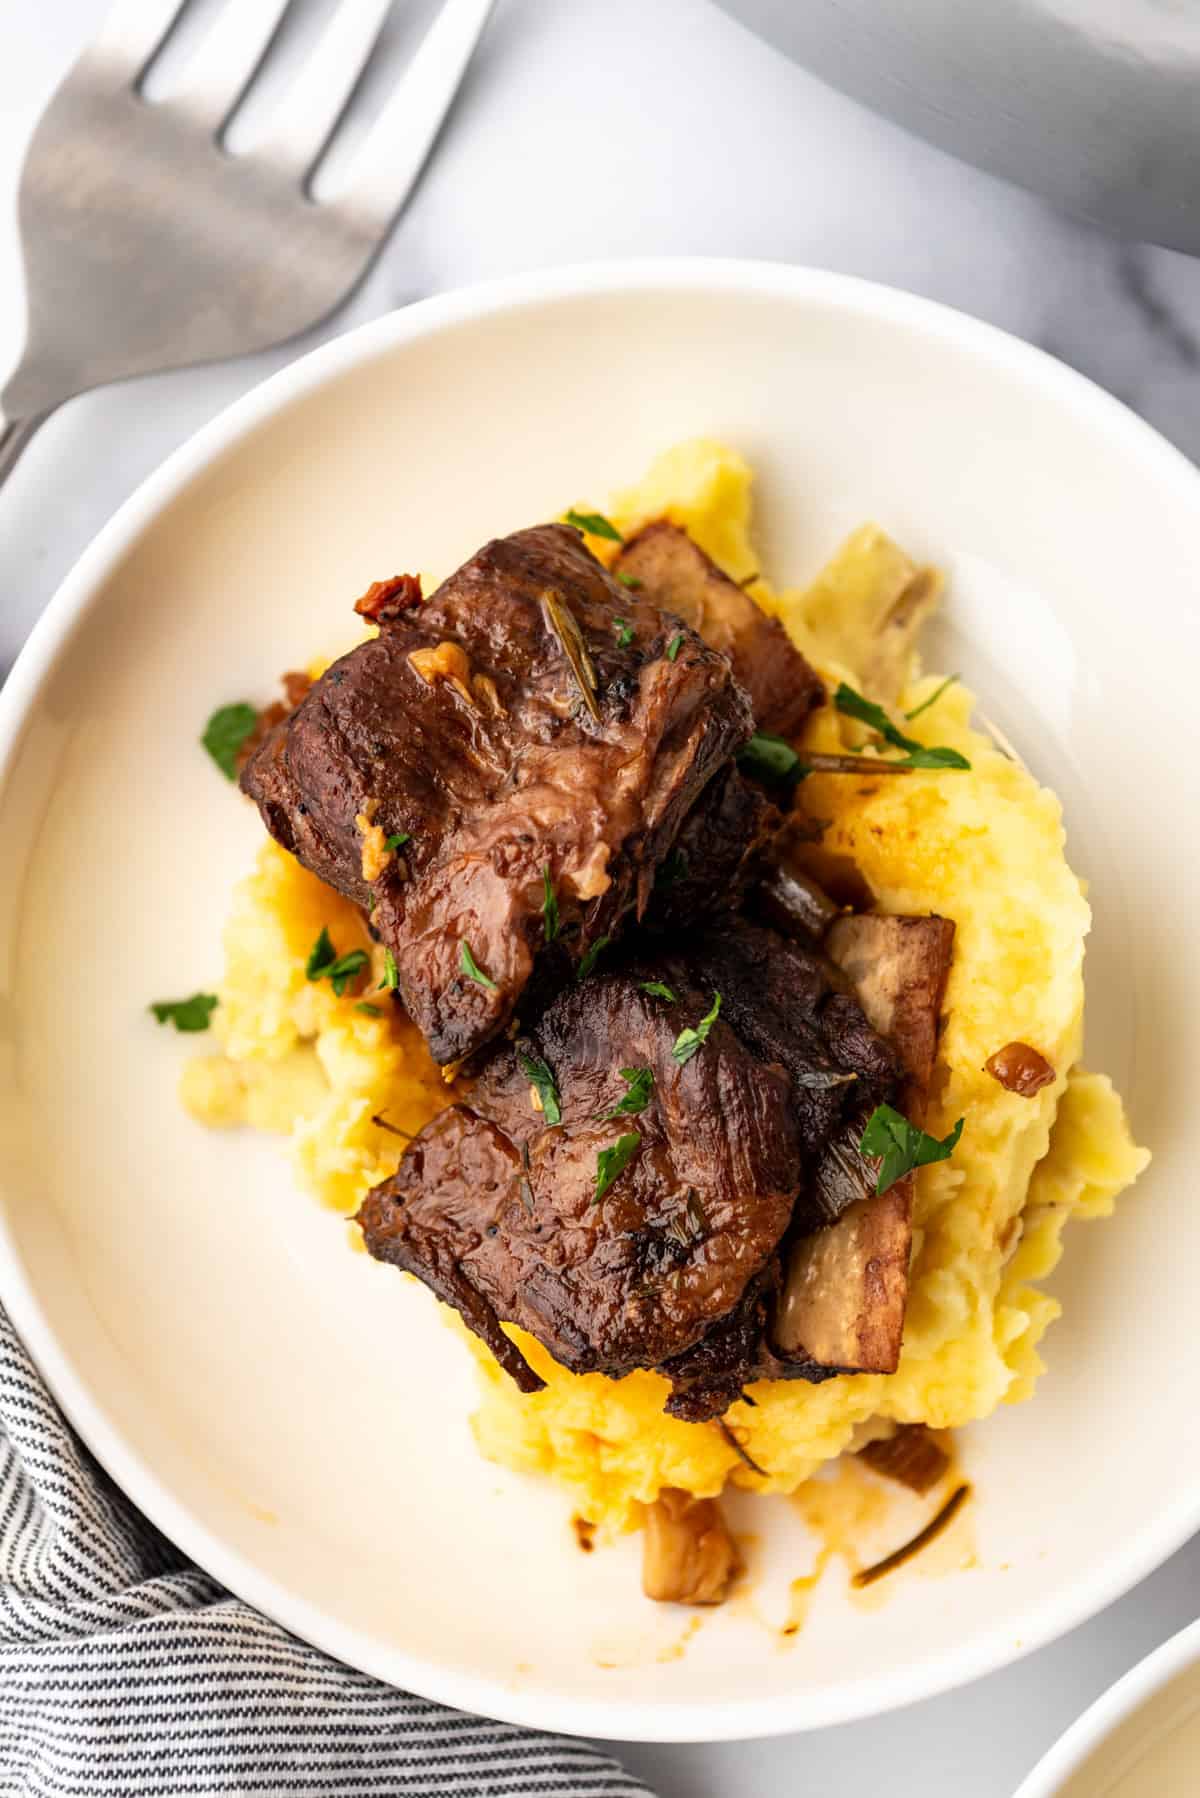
{"x": 464, "y": 725}
{"x": 638, "y": 1275}
{"x": 676, "y": 1263}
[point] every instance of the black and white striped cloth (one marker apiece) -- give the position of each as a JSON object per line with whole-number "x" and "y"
{"x": 126, "y": 1670}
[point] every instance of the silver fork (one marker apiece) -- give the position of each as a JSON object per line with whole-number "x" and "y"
{"x": 147, "y": 246}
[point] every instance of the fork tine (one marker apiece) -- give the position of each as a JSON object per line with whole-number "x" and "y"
{"x": 304, "y": 119}
{"x": 382, "y": 175}
{"x": 131, "y": 32}
{"x": 224, "y": 64}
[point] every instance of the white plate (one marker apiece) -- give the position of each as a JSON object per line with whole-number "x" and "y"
{"x": 295, "y": 1417}
{"x": 1133, "y": 1733}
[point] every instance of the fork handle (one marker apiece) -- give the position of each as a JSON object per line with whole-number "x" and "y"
{"x": 15, "y": 433}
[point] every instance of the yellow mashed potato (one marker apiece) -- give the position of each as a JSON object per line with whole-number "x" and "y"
{"x": 985, "y": 848}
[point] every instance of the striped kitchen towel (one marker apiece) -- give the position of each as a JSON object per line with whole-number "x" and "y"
{"x": 126, "y": 1670}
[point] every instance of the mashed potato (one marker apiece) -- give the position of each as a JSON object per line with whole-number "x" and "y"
{"x": 984, "y": 848}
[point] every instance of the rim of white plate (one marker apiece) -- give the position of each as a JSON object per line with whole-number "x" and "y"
{"x": 656, "y": 1720}
{"x": 1105, "y": 1715}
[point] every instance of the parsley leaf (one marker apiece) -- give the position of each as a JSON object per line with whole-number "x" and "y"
{"x": 549, "y": 905}
{"x": 370, "y": 1011}
{"x": 544, "y": 1084}
{"x": 933, "y": 758}
{"x": 853, "y": 704}
{"x": 771, "y": 759}
{"x": 658, "y": 990}
{"x": 397, "y": 840}
{"x": 225, "y": 733}
{"x": 689, "y": 1041}
{"x": 321, "y": 957}
{"x": 624, "y": 633}
{"x": 640, "y": 1083}
{"x": 933, "y": 697}
{"x": 345, "y": 969}
{"x": 471, "y": 968}
{"x": 592, "y": 957}
{"x": 324, "y": 960}
{"x": 901, "y": 1146}
{"x": 612, "y": 1162}
{"x": 629, "y": 580}
{"x": 391, "y": 974}
{"x": 595, "y": 524}
{"x": 673, "y": 646}
{"x": 186, "y": 1014}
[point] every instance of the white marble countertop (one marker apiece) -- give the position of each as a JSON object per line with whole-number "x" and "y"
{"x": 594, "y": 128}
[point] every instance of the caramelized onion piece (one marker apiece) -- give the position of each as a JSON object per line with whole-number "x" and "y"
{"x": 385, "y": 600}
{"x": 1020, "y": 1069}
{"x": 688, "y": 1555}
{"x": 912, "y": 1457}
{"x": 795, "y": 903}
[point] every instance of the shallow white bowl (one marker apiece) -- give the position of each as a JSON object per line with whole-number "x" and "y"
{"x": 295, "y": 1417}
{"x": 1128, "y": 1729}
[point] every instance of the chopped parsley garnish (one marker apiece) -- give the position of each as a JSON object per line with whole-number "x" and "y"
{"x": 544, "y": 1085}
{"x": 346, "y": 968}
{"x": 397, "y": 840}
{"x": 940, "y": 757}
{"x": 370, "y": 1011}
{"x": 592, "y": 957}
{"x": 673, "y": 646}
{"x": 933, "y": 697}
{"x": 771, "y": 759}
{"x": 225, "y": 733}
{"x": 595, "y": 524}
{"x": 321, "y": 956}
{"x": 186, "y": 1014}
{"x": 629, "y": 580}
{"x": 612, "y": 1162}
{"x": 933, "y": 758}
{"x": 325, "y": 962}
{"x": 901, "y": 1146}
{"x": 391, "y": 974}
{"x": 639, "y": 1083}
{"x": 549, "y": 905}
{"x": 472, "y": 969}
{"x": 689, "y": 1041}
{"x": 624, "y": 633}
{"x": 853, "y": 704}
{"x": 658, "y": 989}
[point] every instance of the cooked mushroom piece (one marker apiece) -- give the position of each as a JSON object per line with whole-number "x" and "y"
{"x": 674, "y": 572}
{"x": 899, "y": 968}
{"x": 794, "y": 902}
{"x": 688, "y": 1554}
{"x": 845, "y": 1288}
